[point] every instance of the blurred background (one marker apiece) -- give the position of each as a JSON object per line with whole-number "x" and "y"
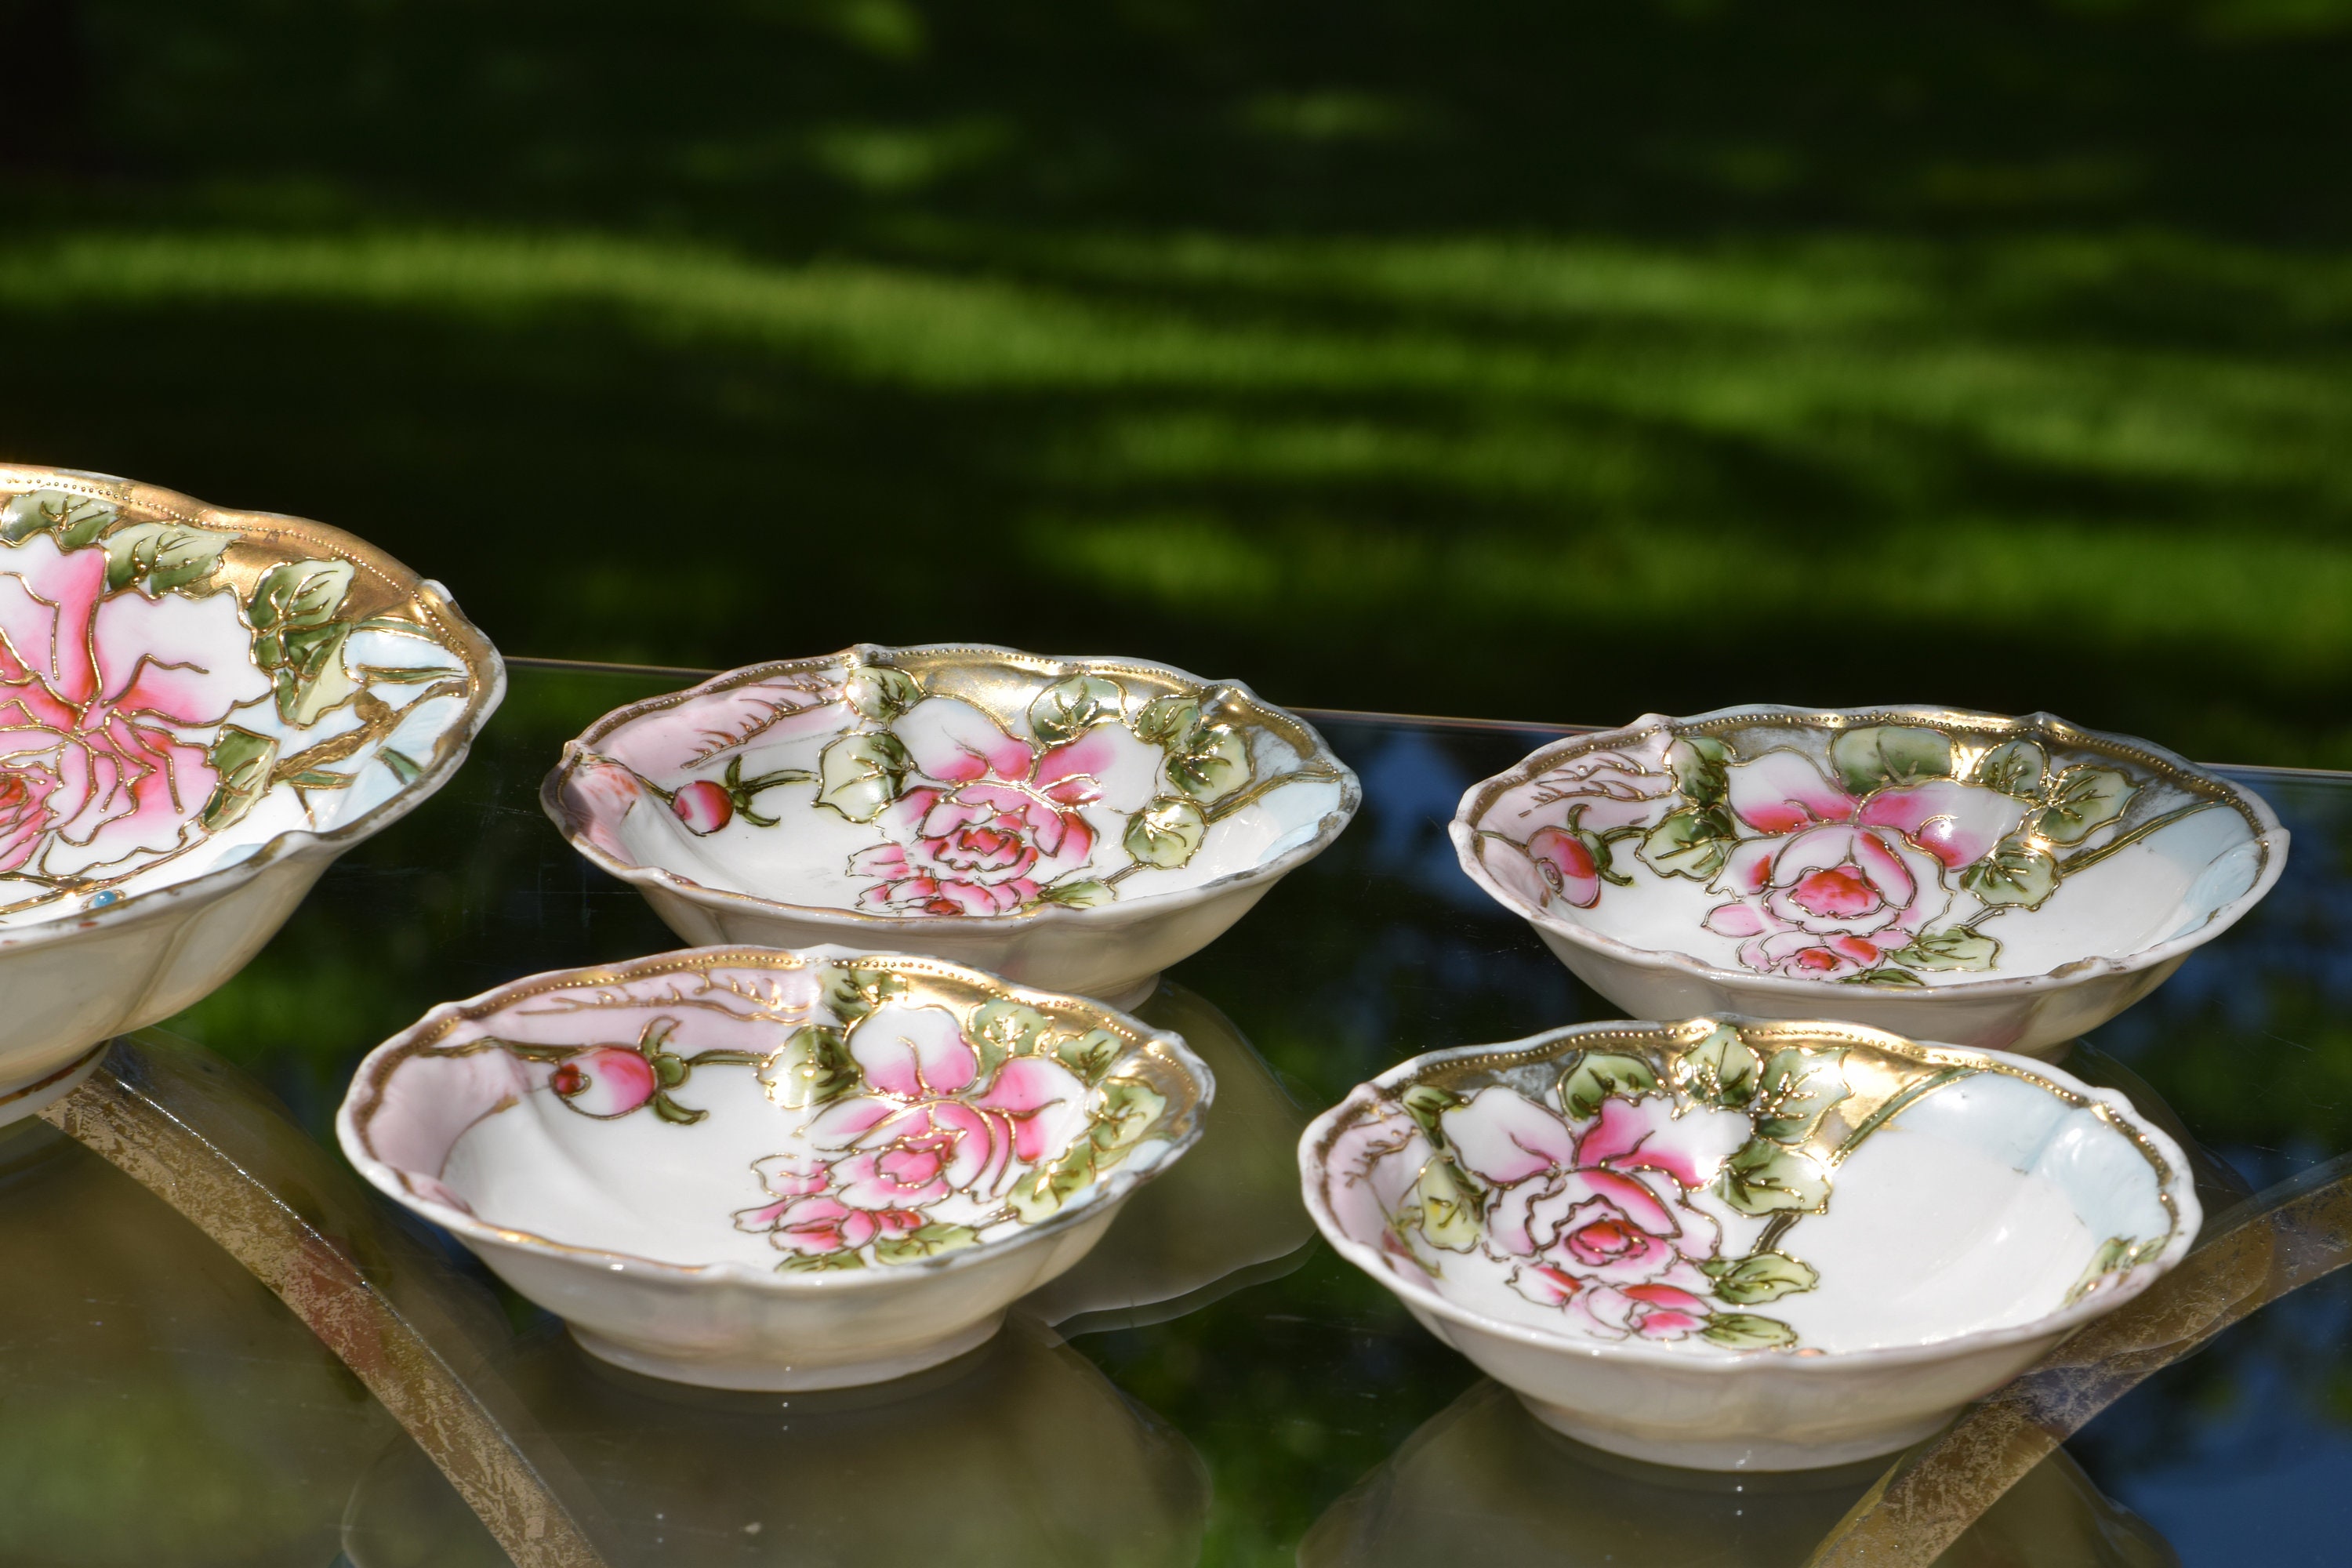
{"x": 1517, "y": 360}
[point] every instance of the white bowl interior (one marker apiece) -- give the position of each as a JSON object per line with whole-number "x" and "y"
{"x": 973, "y": 782}
{"x": 182, "y": 690}
{"x": 1905, "y": 866}
{"x": 1861, "y": 1198}
{"x": 775, "y": 1115}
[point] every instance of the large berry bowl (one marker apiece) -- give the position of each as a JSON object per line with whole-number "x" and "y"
{"x": 199, "y": 710}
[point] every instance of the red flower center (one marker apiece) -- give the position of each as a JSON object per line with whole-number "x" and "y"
{"x": 1836, "y": 892}
{"x": 567, "y": 1080}
{"x": 1606, "y": 1238}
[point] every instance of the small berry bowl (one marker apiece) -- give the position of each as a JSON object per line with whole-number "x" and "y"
{"x": 1728, "y": 1244}
{"x": 754, "y": 1169}
{"x": 2003, "y": 883}
{"x": 1075, "y": 824}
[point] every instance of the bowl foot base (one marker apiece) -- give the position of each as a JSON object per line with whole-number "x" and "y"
{"x": 29, "y": 1097}
{"x": 765, "y": 1375}
{"x": 1731, "y": 1453}
{"x": 1130, "y": 997}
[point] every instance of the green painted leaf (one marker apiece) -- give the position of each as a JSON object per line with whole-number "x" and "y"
{"x": 928, "y": 1241}
{"x": 881, "y": 693}
{"x": 1166, "y": 833}
{"x": 1449, "y": 1207}
{"x": 1005, "y": 1029}
{"x": 162, "y": 555}
{"x": 1698, "y": 764}
{"x": 811, "y": 1067}
{"x": 241, "y": 761}
{"x": 1167, "y": 721}
{"x": 76, "y": 519}
{"x": 1067, "y": 709}
{"x": 671, "y": 1111}
{"x": 1747, "y": 1331}
{"x": 1721, "y": 1070}
{"x": 2014, "y": 873}
{"x": 1129, "y": 1111}
{"x": 404, "y": 768}
{"x": 1426, "y": 1104}
{"x": 2083, "y": 800}
{"x": 1889, "y": 754}
{"x": 295, "y": 595}
{"x": 1759, "y": 1276}
{"x": 1089, "y": 1055}
{"x": 1085, "y": 895}
{"x": 1797, "y": 1089}
{"x": 852, "y": 991}
{"x": 1693, "y": 842}
{"x": 1763, "y": 1177}
{"x": 1044, "y": 1191}
{"x": 1954, "y": 948}
{"x": 1214, "y": 764}
{"x": 1594, "y": 1076}
{"x": 1889, "y": 975}
{"x": 2014, "y": 767}
{"x": 860, "y": 774}
{"x": 313, "y": 681}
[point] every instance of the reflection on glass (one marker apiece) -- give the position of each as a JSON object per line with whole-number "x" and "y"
{"x": 157, "y": 1403}
{"x": 1225, "y": 1215}
{"x": 1483, "y": 1469}
{"x": 1018, "y": 1453}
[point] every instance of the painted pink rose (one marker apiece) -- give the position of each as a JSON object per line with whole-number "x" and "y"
{"x": 95, "y": 690}
{"x": 25, "y": 814}
{"x": 1839, "y": 883}
{"x": 1597, "y": 1212}
{"x": 604, "y": 1080}
{"x": 997, "y": 817}
{"x": 927, "y": 1130}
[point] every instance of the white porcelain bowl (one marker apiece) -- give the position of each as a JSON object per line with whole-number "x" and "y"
{"x": 753, "y": 1169}
{"x": 1076, "y": 823}
{"x": 202, "y": 708}
{"x": 1728, "y": 1244}
{"x": 2004, "y": 883}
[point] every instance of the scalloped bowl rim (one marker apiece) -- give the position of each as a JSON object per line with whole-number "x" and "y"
{"x": 2273, "y": 836}
{"x": 1319, "y": 1134}
{"x": 1123, "y": 912}
{"x": 490, "y": 675}
{"x": 390, "y": 1179}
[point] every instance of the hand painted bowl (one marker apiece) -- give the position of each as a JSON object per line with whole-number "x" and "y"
{"x": 753, "y": 1169}
{"x": 202, "y": 708}
{"x": 2003, "y": 883}
{"x": 1075, "y": 824}
{"x": 1742, "y": 1245}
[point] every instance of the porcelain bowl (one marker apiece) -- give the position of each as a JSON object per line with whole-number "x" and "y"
{"x": 202, "y": 708}
{"x": 1731, "y": 1244}
{"x": 2004, "y": 883}
{"x": 1075, "y": 824}
{"x": 755, "y": 1169}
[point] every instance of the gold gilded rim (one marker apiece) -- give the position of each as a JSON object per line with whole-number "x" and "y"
{"x": 2270, "y": 838}
{"x": 1301, "y": 736}
{"x": 1178, "y": 1068}
{"x": 1384, "y": 1094}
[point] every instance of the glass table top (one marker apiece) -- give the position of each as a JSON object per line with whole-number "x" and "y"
{"x": 1211, "y": 1386}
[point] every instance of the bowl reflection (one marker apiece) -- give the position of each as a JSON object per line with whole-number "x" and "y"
{"x": 1226, "y": 1215}
{"x": 1534, "y": 1496}
{"x": 1020, "y": 1452}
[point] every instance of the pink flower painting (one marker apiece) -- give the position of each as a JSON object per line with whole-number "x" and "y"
{"x": 98, "y": 695}
{"x": 989, "y": 818}
{"x": 1597, "y": 1216}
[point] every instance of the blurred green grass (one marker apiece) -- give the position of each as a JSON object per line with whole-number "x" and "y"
{"x": 1540, "y": 363}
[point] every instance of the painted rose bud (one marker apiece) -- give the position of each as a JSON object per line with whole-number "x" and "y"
{"x": 705, "y": 807}
{"x": 604, "y": 1080}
